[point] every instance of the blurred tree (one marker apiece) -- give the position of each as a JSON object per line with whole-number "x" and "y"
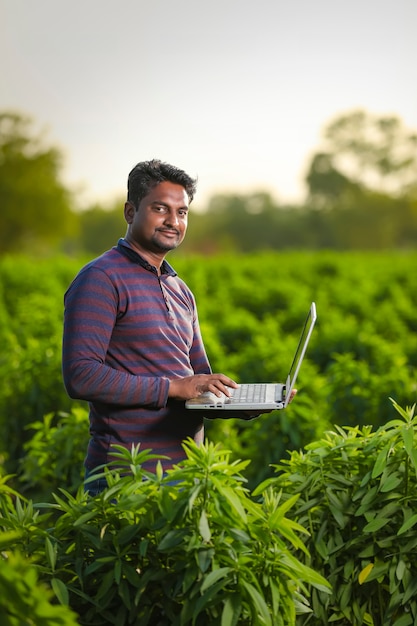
{"x": 101, "y": 227}
{"x": 326, "y": 184}
{"x": 245, "y": 223}
{"x": 365, "y": 177}
{"x": 361, "y": 152}
{"x": 35, "y": 205}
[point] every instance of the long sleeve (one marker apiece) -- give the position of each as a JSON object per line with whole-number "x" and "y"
{"x": 91, "y": 311}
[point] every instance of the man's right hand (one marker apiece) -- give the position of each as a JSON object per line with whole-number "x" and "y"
{"x": 194, "y": 386}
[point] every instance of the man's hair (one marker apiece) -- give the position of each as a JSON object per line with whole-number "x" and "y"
{"x": 147, "y": 174}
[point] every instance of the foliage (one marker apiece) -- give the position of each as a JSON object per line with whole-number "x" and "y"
{"x": 25, "y": 601}
{"x": 363, "y": 176}
{"x": 367, "y": 151}
{"x": 188, "y": 548}
{"x": 55, "y": 453}
{"x": 31, "y": 309}
{"x": 35, "y": 205}
{"x": 100, "y": 227}
{"x": 251, "y": 307}
{"x": 363, "y": 181}
{"x": 357, "y": 497}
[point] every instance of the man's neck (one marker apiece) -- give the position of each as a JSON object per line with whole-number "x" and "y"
{"x": 153, "y": 258}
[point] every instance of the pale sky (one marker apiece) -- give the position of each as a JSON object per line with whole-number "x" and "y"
{"x": 236, "y": 92}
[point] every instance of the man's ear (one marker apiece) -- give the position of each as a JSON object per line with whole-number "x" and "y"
{"x": 129, "y": 212}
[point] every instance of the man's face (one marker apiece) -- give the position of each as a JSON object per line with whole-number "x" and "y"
{"x": 160, "y": 222}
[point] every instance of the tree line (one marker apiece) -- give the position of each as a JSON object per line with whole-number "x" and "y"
{"x": 361, "y": 194}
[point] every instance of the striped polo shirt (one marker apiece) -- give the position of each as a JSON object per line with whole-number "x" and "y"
{"x": 127, "y": 332}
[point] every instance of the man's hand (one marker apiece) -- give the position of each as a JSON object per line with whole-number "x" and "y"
{"x": 193, "y": 386}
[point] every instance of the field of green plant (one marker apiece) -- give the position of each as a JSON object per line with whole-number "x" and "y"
{"x": 336, "y": 487}
{"x": 363, "y": 350}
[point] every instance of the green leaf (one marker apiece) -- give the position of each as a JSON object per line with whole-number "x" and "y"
{"x": 391, "y": 482}
{"x": 286, "y": 506}
{"x": 231, "y": 497}
{"x": 338, "y": 515}
{"x": 125, "y": 595}
{"x": 306, "y": 573}
{"x": 408, "y": 437}
{"x": 126, "y": 534}
{"x": 132, "y": 575}
{"x": 203, "y": 526}
{"x": 381, "y": 461}
{"x": 211, "y": 596}
{"x": 345, "y": 595}
{"x": 60, "y": 590}
{"x": 367, "y": 501}
{"x": 375, "y": 524}
{"x": 172, "y": 538}
{"x": 191, "y": 499}
{"x": 407, "y": 524}
{"x": 275, "y": 596}
{"x": 106, "y": 583}
{"x": 260, "y": 607}
{"x": 159, "y": 470}
{"x": 214, "y": 576}
{"x": 204, "y": 558}
{"x": 410, "y": 592}
{"x": 239, "y": 535}
{"x": 117, "y": 570}
{"x": 413, "y": 458}
{"x": 368, "y": 551}
{"x": 231, "y": 610}
{"x": 405, "y": 620}
{"x": 51, "y": 553}
{"x": 400, "y": 569}
{"x": 85, "y": 518}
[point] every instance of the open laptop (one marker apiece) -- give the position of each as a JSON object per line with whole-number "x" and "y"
{"x": 261, "y": 396}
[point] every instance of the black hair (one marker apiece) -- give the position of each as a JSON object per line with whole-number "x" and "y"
{"x": 147, "y": 174}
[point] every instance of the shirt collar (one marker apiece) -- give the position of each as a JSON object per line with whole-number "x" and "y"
{"x": 126, "y": 249}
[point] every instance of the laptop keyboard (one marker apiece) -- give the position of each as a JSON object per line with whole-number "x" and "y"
{"x": 249, "y": 393}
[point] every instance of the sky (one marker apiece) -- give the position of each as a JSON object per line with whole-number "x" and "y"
{"x": 236, "y": 92}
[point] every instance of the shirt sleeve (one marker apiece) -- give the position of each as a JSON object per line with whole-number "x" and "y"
{"x": 91, "y": 306}
{"x": 198, "y": 355}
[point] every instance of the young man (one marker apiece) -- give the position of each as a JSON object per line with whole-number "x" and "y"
{"x": 132, "y": 345}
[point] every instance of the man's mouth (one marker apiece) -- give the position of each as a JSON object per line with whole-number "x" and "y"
{"x": 170, "y": 232}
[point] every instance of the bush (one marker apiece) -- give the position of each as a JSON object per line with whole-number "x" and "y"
{"x": 363, "y": 349}
{"x": 358, "y": 499}
{"x": 54, "y": 455}
{"x": 25, "y": 601}
{"x": 189, "y": 548}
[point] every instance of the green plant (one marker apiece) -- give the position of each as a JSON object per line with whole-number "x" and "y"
{"x": 24, "y": 598}
{"x": 24, "y": 601}
{"x": 188, "y": 548}
{"x": 54, "y": 455}
{"x": 358, "y": 498}
{"x": 363, "y": 350}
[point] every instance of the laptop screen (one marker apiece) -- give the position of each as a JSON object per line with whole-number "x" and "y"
{"x": 300, "y": 352}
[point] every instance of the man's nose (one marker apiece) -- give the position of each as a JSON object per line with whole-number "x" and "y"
{"x": 172, "y": 218}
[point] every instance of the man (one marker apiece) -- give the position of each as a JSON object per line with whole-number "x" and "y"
{"x": 132, "y": 345}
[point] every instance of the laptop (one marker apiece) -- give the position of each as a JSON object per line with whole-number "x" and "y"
{"x": 261, "y": 396}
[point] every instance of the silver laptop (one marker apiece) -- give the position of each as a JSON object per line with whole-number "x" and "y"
{"x": 260, "y": 396}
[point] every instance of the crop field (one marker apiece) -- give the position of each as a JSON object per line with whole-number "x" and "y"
{"x": 302, "y": 516}
{"x": 251, "y": 308}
